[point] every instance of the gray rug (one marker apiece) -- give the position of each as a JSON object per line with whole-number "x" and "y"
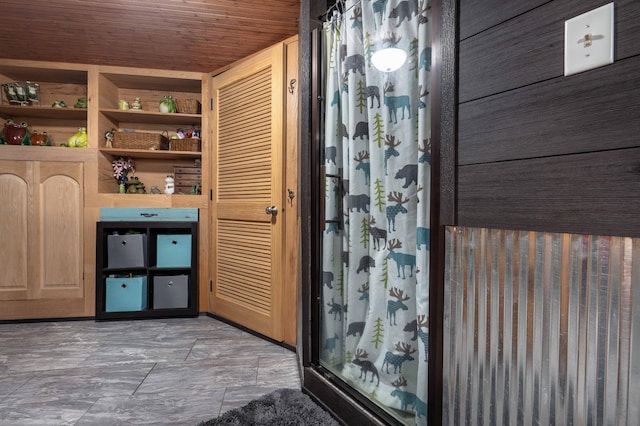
{"x": 283, "y": 407}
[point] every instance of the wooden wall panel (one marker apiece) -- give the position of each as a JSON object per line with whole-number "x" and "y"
{"x": 594, "y": 193}
{"x": 590, "y": 111}
{"x": 538, "y": 150}
{"x": 530, "y": 48}
{"x": 478, "y": 15}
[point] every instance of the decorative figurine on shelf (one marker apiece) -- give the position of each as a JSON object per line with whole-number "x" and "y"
{"x": 155, "y": 190}
{"x": 136, "y": 104}
{"x": 81, "y": 103}
{"x": 79, "y": 139}
{"x": 169, "y": 186}
{"x": 59, "y": 104}
{"x": 10, "y": 93}
{"x": 134, "y": 186}
{"x": 108, "y": 136}
{"x": 33, "y": 92}
{"x": 121, "y": 168}
{"x": 167, "y": 104}
{"x": 38, "y": 138}
{"x": 22, "y": 93}
{"x": 14, "y": 133}
{"x": 123, "y": 105}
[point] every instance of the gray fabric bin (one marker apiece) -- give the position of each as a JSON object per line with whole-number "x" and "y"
{"x": 170, "y": 292}
{"x": 127, "y": 251}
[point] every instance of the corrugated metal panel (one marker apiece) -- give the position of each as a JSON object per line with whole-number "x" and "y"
{"x": 539, "y": 328}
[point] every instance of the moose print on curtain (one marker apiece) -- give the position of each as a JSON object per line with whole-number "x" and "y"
{"x": 375, "y": 263}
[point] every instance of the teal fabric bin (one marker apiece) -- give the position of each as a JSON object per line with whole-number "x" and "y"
{"x": 173, "y": 251}
{"x": 126, "y": 294}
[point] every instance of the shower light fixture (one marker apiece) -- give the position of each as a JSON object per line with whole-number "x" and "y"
{"x": 389, "y": 59}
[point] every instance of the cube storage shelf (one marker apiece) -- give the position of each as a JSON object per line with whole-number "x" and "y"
{"x": 146, "y": 269}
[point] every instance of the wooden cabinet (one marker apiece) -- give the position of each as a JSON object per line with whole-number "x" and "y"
{"x": 42, "y": 257}
{"x": 42, "y": 189}
{"x": 103, "y": 86}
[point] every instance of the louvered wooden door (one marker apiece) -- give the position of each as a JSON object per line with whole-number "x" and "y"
{"x": 247, "y": 243}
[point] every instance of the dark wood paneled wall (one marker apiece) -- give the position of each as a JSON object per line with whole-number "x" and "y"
{"x": 538, "y": 150}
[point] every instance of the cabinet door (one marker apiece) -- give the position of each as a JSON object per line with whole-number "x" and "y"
{"x": 247, "y": 243}
{"x": 15, "y": 190}
{"x": 42, "y": 221}
{"x": 60, "y": 230}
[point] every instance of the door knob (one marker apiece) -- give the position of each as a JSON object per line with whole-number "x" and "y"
{"x": 273, "y": 210}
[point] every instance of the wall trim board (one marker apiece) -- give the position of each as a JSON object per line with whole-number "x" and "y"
{"x": 530, "y": 47}
{"x": 443, "y": 175}
{"x": 593, "y": 193}
{"x": 587, "y": 112}
{"x": 444, "y": 92}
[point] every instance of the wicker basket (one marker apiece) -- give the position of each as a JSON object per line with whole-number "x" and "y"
{"x": 187, "y": 144}
{"x": 140, "y": 140}
{"x": 188, "y": 106}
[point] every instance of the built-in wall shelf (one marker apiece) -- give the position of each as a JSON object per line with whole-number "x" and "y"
{"x": 152, "y": 154}
{"x": 152, "y": 117}
{"x": 13, "y": 111}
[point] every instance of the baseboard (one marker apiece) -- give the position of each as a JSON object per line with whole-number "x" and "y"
{"x": 248, "y": 330}
{"x": 33, "y": 320}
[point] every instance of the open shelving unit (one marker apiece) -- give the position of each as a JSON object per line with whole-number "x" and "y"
{"x": 57, "y": 82}
{"x": 157, "y": 277}
{"x": 152, "y": 166}
{"x": 104, "y": 86}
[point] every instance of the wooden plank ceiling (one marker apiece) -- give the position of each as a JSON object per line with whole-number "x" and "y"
{"x": 189, "y": 35}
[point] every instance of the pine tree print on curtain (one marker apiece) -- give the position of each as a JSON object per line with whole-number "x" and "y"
{"x": 376, "y": 238}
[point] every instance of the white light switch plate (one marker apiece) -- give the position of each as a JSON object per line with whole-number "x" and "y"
{"x": 588, "y": 40}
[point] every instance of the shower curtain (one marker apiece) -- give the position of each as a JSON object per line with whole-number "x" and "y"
{"x": 377, "y": 162}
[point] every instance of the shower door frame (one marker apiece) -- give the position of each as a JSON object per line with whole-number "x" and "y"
{"x": 326, "y": 388}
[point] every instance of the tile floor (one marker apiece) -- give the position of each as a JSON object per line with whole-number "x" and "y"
{"x": 160, "y": 372}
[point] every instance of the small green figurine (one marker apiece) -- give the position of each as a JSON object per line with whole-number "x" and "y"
{"x": 167, "y": 104}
